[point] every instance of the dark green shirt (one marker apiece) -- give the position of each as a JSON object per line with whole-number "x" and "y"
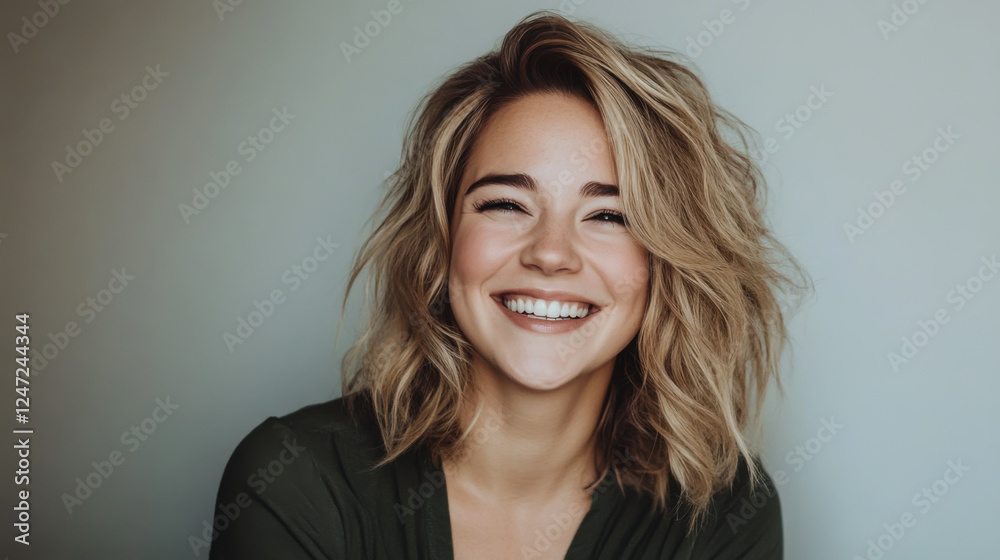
{"x": 298, "y": 487}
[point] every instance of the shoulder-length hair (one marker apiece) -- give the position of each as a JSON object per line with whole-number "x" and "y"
{"x": 686, "y": 390}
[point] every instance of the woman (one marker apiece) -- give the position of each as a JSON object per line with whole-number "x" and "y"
{"x": 573, "y": 320}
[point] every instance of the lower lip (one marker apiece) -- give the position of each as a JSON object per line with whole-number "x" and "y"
{"x": 544, "y": 326}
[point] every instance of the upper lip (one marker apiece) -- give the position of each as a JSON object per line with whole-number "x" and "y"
{"x": 547, "y": 295}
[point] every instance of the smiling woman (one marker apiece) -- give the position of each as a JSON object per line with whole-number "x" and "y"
{"x": 572, "y": 325}
{"x": 527, "y": 252}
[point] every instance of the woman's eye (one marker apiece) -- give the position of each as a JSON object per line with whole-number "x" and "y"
{"x": 501, "y": 204}
{"x": 609, "y": 216}
{"x": 509, "y": 206}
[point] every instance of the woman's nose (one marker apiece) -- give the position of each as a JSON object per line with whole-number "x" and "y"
{"x": 552, "y": 246}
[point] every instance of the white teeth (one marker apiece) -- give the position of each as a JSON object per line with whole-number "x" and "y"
{"x": 540, "y": 309}
{"x": 552, "y": 310}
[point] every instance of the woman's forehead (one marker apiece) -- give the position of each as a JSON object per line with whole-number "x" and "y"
{"x": 551, "y": 137}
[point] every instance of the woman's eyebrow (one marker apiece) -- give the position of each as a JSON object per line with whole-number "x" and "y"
{"x": 528, "y": 183}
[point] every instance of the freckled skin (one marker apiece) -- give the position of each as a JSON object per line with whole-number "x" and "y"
{"x": 552, "y": 246}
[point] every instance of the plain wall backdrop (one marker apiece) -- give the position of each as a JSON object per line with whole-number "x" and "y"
{"x": 883, "y": 123}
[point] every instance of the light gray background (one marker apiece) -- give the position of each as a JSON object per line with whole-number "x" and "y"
{"x": 162, "y": 336}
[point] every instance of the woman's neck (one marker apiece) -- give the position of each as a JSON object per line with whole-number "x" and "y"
{"x": 529, "y": 446}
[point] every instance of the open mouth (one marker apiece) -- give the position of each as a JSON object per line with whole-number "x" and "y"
{"x": 546, "y": 310}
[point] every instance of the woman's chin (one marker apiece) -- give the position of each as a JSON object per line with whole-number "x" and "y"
{"x": 542, "y": 377}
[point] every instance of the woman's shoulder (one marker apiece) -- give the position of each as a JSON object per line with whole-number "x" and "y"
{"x": 742, "y": 521}
{"x": 290, "y": 471}
{"x": 318, "y": 430}
{"x": 334, "y": 416}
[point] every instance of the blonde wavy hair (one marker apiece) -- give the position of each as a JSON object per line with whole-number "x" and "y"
{"x": 685, "y": 392}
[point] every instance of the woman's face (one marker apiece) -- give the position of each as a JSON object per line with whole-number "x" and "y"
{"x": 538, "y": 222}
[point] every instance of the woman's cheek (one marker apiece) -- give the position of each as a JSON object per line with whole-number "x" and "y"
{"x": 484, "y": 248}
{"x": 630, "y": 274}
